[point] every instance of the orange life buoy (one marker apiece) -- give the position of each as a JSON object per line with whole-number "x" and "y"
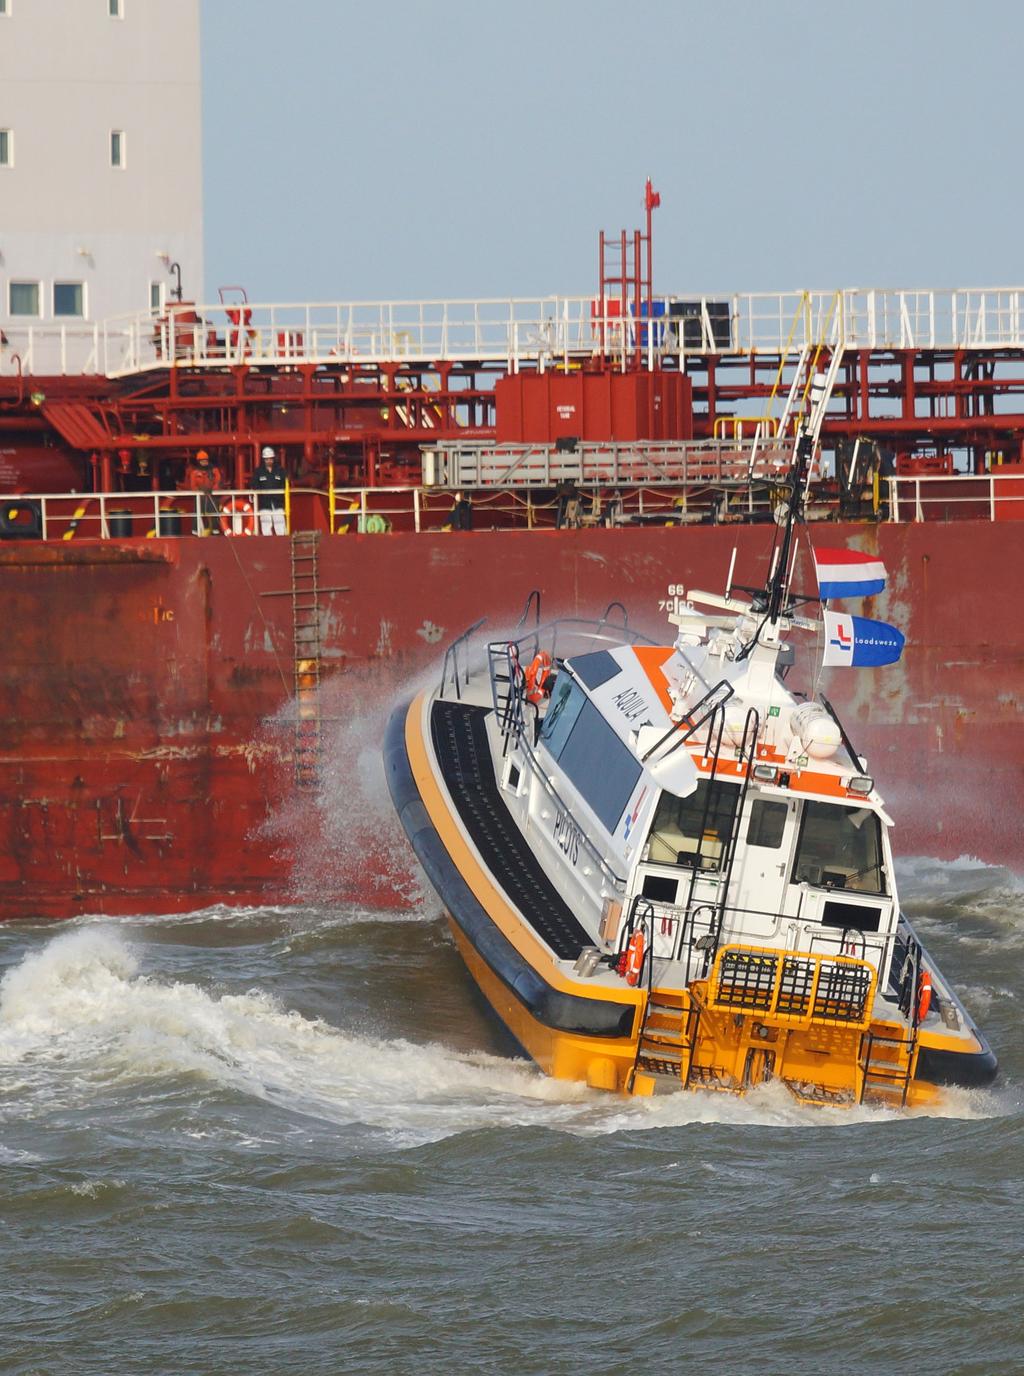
{"x": 634, "y": 957}
{"x": 537, "y": 674}
{"x": 241, "y": 318}
{"x": 924, "y": 995}
{"x": 236, "y": 517}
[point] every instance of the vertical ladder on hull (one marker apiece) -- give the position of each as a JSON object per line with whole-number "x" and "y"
{"x": 664, "y": 1048}
{"x": 305, "y": 551}
{"x": 887, "y": 1065}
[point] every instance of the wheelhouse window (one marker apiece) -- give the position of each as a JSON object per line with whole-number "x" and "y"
{"x": 115, "y": 8}
{"x": 117, "y": 148}
{"x": 596, "y": 762}
{"x": 6, "y": 148}
{"x": 23, "y": 298}
{"x": 767, "y": 824}
{"x": 694, "y": 831}
{"x": 5, "y": 8}
{"x": 68, "y": 298}
{"x": 156, "y": 297}
{"x": 840, "y": 848}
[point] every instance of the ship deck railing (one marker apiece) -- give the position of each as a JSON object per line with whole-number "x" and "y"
{"x": 358, "y": 510}
{"x": 997, "y": 495}
{"x": 124, "y": 515}
{"x": 690, "y": 936}
{"x": 517, "y": 331}
{"x": 994, "y": 496}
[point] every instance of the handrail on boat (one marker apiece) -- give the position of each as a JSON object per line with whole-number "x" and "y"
{"x": 694, "y": 720}
{"x": 608, "y": 611}
{"x": 700, "y": 928}
{"x": 451, "y": 656}
{"x": 534, "y": 601}
{"x": 505, "y": 668}
{"x": 609, "y": 631}
{"x": 508, "y": 709}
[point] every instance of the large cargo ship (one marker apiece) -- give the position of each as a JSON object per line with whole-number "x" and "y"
{"x": 174, "y": 682}
{"x": 156, "y": 757}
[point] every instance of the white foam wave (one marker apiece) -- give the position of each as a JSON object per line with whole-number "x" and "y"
{"x": 292, "y": 919}
{"x": 11, "y": 1156}
{"x": 82, "y": 999}
{"x": 352, "y": 842}
{"x": 926, "y": 880}
{"x": 81, "y": 1002}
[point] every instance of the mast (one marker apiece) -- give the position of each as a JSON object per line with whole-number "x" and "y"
{"x": 776, "y": 588}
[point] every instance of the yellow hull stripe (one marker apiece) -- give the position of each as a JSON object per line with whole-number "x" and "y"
{"x": 483, "y": 888}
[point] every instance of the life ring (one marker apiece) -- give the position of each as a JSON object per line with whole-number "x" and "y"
{"x": 536, "y": 675}
{"x": 241, "y": 318}
{"x": 236, "y": 517}
{"x": 634, "y": 958}
{"x": 924, "y": 995}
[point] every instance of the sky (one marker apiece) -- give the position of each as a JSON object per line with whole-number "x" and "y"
{"x": 359, "y": 150}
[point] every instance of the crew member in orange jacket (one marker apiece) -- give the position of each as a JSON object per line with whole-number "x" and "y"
{"x": 205, "y": 477}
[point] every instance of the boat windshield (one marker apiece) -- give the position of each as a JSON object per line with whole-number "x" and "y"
{"x": 694, "y": 831}
{"x": 840, "y": 848}
{"x": 603, "y": 770}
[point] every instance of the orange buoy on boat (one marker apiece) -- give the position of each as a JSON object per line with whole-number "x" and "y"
{"x": 236, "y": 517}
{"x": 634, "y": 957}
{"x": 924, "y": 995}
{"x": 537, "y": 674}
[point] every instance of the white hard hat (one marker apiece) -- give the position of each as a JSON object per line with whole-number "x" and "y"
{"x": 268, "y": 453}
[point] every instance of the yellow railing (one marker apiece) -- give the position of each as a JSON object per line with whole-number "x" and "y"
{"x": 764, "y": 426}
{"x": 794, "y": 988}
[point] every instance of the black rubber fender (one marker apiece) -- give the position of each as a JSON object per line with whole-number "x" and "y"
{"x": 551, "y": 1007}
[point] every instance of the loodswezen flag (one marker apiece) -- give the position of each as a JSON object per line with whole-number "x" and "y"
{"x": 855, "y": 641}
{"x": 847, "y": 573}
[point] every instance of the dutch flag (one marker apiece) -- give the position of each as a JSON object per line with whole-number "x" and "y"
{"x": 847, "y": 573}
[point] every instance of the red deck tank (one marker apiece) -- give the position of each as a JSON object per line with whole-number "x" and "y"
{"x": 604, "y": 407}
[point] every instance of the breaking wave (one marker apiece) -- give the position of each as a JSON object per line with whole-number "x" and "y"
{"x": 80, "y": 1014}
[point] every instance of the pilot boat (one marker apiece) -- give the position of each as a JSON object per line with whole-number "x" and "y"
{"x": 664, "y": 869}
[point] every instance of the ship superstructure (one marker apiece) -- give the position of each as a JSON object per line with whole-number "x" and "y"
{"x": 100, "y": 171}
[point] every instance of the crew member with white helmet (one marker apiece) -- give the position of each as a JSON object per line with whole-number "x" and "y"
{"x": 268, "y": 484}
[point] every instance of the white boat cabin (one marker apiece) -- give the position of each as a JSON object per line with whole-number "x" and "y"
{"x": 691, "y": 786}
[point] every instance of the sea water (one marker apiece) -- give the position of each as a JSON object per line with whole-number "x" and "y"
{"x": 294, "y": 1140}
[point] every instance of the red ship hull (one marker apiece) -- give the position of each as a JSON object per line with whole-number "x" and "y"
{"x": 147, "y": 760}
